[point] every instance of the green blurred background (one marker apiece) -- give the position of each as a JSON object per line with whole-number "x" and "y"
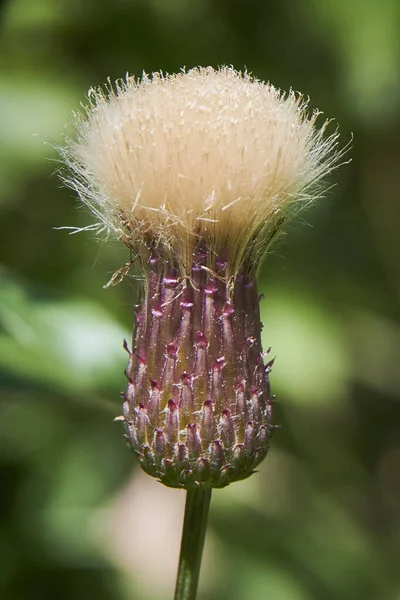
{"x": 321, "y": 520}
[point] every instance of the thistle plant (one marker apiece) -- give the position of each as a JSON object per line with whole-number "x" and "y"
{"x": 197, "y": 173}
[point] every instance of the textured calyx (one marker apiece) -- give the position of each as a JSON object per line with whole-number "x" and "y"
{"x": 197, "y": 406}
{"x": 206, "y": 153}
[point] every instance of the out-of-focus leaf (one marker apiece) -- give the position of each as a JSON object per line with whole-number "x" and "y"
{"x": 73, "y": 344}
{"x": 33, "y": 110}
{"x": 311, "y": 365}
{"x": 375, "y": 344}
{"x": 366, "y": 36}
{"x": 258, "y": 580}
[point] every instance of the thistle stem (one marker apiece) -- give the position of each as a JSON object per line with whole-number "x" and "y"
{"x": 193, "y": 535}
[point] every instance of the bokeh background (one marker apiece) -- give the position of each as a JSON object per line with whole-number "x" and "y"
{"x": 321, "y": 520}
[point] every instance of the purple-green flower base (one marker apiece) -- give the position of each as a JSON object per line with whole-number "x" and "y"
{"x": 198, "y": 407}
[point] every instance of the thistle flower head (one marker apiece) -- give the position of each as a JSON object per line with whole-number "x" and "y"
{"x": 205, "y": 154}
{"x": 195, "y": 173}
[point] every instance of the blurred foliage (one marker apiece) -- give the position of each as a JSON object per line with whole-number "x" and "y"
{"x": 321, "y": 520}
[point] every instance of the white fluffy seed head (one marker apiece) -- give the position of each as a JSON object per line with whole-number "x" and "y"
{"x": 210, "y": 157}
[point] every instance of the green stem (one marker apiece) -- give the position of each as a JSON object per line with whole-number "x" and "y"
{"x": 193, "y": 535}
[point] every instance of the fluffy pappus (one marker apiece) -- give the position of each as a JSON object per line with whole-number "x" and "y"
{"x": 207, "y": 157}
